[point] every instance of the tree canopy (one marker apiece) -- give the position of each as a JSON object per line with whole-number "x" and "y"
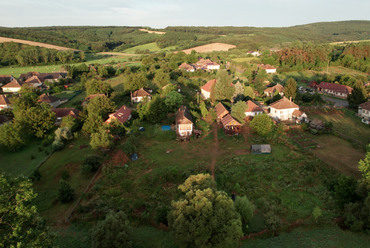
{"x": 262, "y": 124}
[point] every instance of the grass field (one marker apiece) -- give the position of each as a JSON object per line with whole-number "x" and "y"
{"x": 152, "y": 47}
{"x": 326, "y": 237}
{"x": 69, "y": 159}
{"x": 25, "y": 160}
{"x": 247, "y": 59}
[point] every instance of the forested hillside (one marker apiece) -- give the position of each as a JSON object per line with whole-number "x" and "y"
{"x": 99, "y": 39}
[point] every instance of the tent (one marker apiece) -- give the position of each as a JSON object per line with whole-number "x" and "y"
{"x": 261, "y": 149}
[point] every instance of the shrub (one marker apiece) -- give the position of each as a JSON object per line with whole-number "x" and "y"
{"x": 65, "y": 175}
{"x": 57, "y": 145}
{"x": 91, "y": 164}
{"x": 65, "y": 191}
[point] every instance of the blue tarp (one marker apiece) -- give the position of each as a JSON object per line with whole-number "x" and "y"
{"x": 134, "y": 157}
{"x": 141, "y": 129}
{"x": 166, "y": 128}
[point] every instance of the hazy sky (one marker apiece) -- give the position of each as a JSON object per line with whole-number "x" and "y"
{"x": 162, "y": 13}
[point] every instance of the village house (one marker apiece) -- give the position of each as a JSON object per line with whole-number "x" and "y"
{"x": 5, "y": 79}
{"x": 254, "y": 53}
{"x": 206, "y": 64}
{"x": 63, "y": 112}
{"x": 140, "y": 94}
{"x": 230, "y": 125}
{"x": 13, "y": 87}
{"x": 221, "y": 112}
{"x": 268, "y": 68}
{"x": 252, "y": 109}
{"x": 49, "y": 77}
{"x": 184, "y": 122}
{"x": 34, "y": 82}
{"x": 4, "y": 102}
{"x": 270, "y": 91}
{"x": 53, "y": 101}
{"x": 337, "y": 90}
{"x": 187, "y": 67}
{"x": 283, "y": 109}
{"x": 207, "y": 89}
{"x": 122, "y": 115}
{"x": 299, "y": 116}
{"x": 364, "y": 112}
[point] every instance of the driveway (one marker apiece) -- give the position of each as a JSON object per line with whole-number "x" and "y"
{"x": 337, "y": 102}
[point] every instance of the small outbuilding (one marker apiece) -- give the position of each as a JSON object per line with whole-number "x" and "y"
{"x": 261, "y": 149}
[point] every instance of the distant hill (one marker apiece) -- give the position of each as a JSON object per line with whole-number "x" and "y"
{"x": 104, "y": 39}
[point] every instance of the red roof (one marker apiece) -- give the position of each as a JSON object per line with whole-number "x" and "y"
{"x": 335, "y": 87}
{"x": 13, "y": 84}
{"x": 221, "y": 111}
{"x": 183, "y": 116}
{"x": 266, "y": 67}
{"x": 278, "y": 87}
{"x": 47, "y": 98}
{"x": 208, "y": 86}
{"x": 141, "y": 93}
{"x": 122, "y": 115}
{"x": 228, "y": 120}
{"x": 365, "y": 105}
{"x": 283, "y": 103}
{"x": 62, "y": 112}
{"x": 4, "y": 100}
{"x": 252, "y": 107}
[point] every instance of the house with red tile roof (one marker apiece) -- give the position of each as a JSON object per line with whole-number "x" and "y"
{"x": 268, "y": 68}
{"x": 364, "y": 112}
{"x": 270, "y": 91}
{"x": 53, "y": 101}
{"x": 187, "y": 67}
{"x": 50, "y": 77}
{"x": 283, "y": 109}
{"x": 5, "y": 79}
{"x": 230, "y": 125}
{"x": 206, "y": 64}
{"x": 33, "y": 81}
{"x": 337, "y": 90}
{"x": 207, "y": 89}
{"x": 140, "y": 94}
{"x": 4, "y": 102}
{"x": 13, "y": 87}
{"x": 122, "y": 115}
{"x": 252, "y": 109}
{"x": 63, "y": 112}
{"x": 221, "y": 112}
{"x": 184, "y": 122}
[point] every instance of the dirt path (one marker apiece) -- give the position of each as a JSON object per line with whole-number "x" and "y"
{"x": 118, "y": 54}
{"x": 214, "y": 152}
{"x": 34, "y": 43}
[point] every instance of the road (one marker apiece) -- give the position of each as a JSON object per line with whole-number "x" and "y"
{"x": 337, "y": 102}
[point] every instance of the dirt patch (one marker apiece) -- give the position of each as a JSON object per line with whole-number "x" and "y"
{"x": 150, "y": 31}
{"x": 210, "y": 48}
{"x": 33, "y": 43}
{"x": 120, "y": 158}
{"x": 242, "y": 152}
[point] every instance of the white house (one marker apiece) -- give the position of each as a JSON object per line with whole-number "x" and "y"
{"x": 283, "y": 109}
{"x": 184, "y": 122}
{"x": 207, "y": 88}
{"x": 187, "y": 67}
{"x": 252, "y": 109}
{"x": 364, "y": 112}
{"x": 12, "y": 87}
{"x": 268, "y": 68}
{"x": 140, "y": 94}
{"x": 4, "y": 102}
{"x": 254, "y": 53}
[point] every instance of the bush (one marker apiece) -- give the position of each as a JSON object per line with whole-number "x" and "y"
{"x": 65, "y": 175}
{"x": 91, "y": 164}
{"x": 36, "y": 175}
{"x": 65, "y": 191}
{"x": 57, "y": 145}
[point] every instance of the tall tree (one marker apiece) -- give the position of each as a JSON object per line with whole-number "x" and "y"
{"x": 101, "y": 105}
{"x": 238, "y": 111}
{"x": 11, "y": 136}
{"x": 161, "y": 78}
{"x": 20, "y": 224}
{"x": 204, "y": 217}
{"x": 223, "y": 89}
{"x": 114, "y": 232}
{"x": 262, "y": 124}
{"x": 101, "y": 139}
{"x": 290, "y": 88}
{"x": 248, "y": 91}
{"x": 358, "y": 94}
{"x": 94, "y": 86}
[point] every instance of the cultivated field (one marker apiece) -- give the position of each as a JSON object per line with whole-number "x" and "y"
{"x": 33, "y": 43}
{"x": 150, "y": 31}
{"x": 213, "y": 47}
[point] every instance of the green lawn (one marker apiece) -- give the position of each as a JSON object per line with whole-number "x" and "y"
{"x": 75, "y": 101}
{"x": 25, "y": 160}
{"x": 66, "y": 94}
{"x": 326, "y": 237}
{"x": 246, "y": 59}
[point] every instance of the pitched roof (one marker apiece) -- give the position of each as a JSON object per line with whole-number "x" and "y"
{"x": 43, "y": 76}
{"x": 4, "y": 100}
{"x": 183, "y": 116}
{"x": 365, "y": 105}
{"x": 228, "y": 120}
{"x": 297, "y": 113}
{"x": 221, "y": 110}
{"x": 122, "y": 114}
{"x": 48, "y": 98}
{"x": 278, "y": 87}
{"x": 186, "y": 66}
{"x": 89, "y": 97}
{"x": 4, "y": 79}
{"x": 33, "y": 80}
{"x": 335, "y": 87}
{"x": 266, "y": 67}
{"x": 283, "y": 103}
{"x": 13, "y": 84}
{"x": 208, "y": 86}
{"x": 252, "y": 107}
{"x": 62, "y": 112}
{"x": 141, "y": 93}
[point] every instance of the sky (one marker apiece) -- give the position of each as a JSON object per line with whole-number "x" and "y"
{"x": 163, "y": 13}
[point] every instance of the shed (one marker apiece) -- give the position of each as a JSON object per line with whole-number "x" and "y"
{"x": 261, "y": 149}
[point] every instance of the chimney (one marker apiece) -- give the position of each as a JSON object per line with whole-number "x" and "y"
{"x": 290, "y": 98}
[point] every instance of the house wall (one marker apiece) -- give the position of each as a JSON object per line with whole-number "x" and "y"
{"x": 364, "y": 113}
{"x": 335, "y": 93}
{"x": 55, "y": 104}
{"x": 205, "y": 94}
{"x": 11, "y": 90}
{"x": 282, "y": 114}
{"x": 184, "y": 129}
{"x": 139, "y": 98}
{"x": 253, "y": 113}
{"x": 213, "y": 67}
{"x": 270, "y": 70}
{"x": 5, "y": 106}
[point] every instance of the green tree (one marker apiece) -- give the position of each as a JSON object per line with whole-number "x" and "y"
{"x": 203, "y": 109}
{"x": 204, "y": 217}
{"x": 101, "y": 105}
{"x": 114, "y": 232}
{"x": 358, "y": 94}
{"x": 70, "y": 122}
{"x": 65, "y": 191}
{"x": 173, "y": 101}
{"x": 364, "y": 166}
{"x": 92, "y": 123}
{"x": 134, "y": 81}
{"x": 27, "y": 98}
{"x": 245, "y": 208}
{"x": 94, "y": 86}
{"x": 262, "y": 124}
{"x": 11, "y": 136}
{"x": 161, "y": 78}
{"x": 290, "y": 88}
{"x": 222, "y": 89}
{"x": 238, "y": 111}
{"x": 316, "y": 213}
{"x": 248, "y": 91}
{"x": 20, "y": 224}
{"x": 101, "y": 139}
